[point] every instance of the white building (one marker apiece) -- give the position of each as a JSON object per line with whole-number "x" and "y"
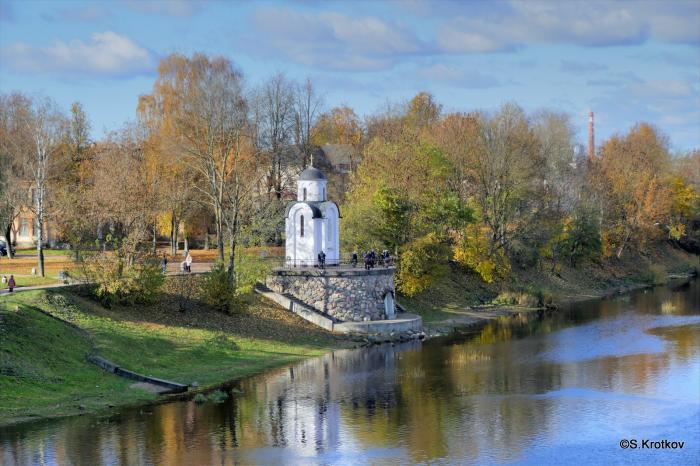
{"x": 311, "y": 222}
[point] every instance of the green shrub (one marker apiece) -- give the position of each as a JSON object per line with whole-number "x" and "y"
{"x": 656, "y": 274}
{"x": 421, "y": 263}
{"x": 117, "y": 282}
{"x": 217, "y": 396}
{"x": 199, "y": 398}
{"x": 217, "y": 289}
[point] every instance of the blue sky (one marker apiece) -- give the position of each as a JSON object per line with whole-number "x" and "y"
{"x": 628, "y": 61}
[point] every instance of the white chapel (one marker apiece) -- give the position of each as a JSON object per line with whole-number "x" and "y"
{"x": 311, "y": 223}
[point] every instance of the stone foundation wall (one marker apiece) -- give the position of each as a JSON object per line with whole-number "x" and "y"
{"x": 347, "y": 295}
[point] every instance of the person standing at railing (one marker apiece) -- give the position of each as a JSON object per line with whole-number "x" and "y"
{"x": 322, "y": 259}
{"x": 353, "y": 261}
{"x": 386, "y": 258}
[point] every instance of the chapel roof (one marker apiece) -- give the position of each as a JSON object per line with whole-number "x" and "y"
{"x": 312, "y": 174}
{"x": 317, "y": 207}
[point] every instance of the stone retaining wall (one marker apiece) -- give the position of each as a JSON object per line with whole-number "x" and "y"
{"x": 353, "y": 295}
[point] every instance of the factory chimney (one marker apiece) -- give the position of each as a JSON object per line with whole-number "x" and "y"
{"x": 591, "y": 136}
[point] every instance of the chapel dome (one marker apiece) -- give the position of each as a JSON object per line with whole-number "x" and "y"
{"x": 312, "y": 174}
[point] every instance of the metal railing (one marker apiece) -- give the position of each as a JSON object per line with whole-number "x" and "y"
{"x": 342, "y": 262}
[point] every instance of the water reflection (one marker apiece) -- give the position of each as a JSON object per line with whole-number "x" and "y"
{"x": 527, "y": 389}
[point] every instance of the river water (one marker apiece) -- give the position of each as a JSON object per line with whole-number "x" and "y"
{"x": 561, "y": 389}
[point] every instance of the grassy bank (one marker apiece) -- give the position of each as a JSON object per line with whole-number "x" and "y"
{"x": 462, "y": 297}
{"x": 43, "y": 371}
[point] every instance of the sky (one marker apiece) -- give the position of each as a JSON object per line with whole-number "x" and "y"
{"x": 628, "y": 61}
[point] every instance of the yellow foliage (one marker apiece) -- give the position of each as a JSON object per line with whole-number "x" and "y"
{"x": 422, "y": 262}
{"x": 474, "y": 251}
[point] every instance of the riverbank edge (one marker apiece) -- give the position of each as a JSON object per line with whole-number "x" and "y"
{"x": 437, "y": 329}
{"x": 115, "y": 405}
{"x": 430, "y": 330}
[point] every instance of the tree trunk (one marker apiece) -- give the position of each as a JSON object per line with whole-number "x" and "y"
{"x": 206, "y": 239}
{"x": 173, "y": 235}
{"x": 100, "y": 238}
{"x": 40, "y": 245}
{"x": 8, "y": 240}
{"x": 155, "y": 243}
{"x": 231, "y": 259}
{"x": 220, "y": 242}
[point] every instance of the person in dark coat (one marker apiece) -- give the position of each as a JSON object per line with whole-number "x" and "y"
{"x": 164, "y": 263}
{"x": 11, "y": 283}
{"x": 322, "y": 259}
{"x": 353, "y": 261}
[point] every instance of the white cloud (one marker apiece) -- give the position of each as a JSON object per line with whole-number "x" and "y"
{"x": 176, "y": 8}
{"x": 505, "y": 26}
{"x": 107, "y": 53}
{"x": 334, "y": 41}
{"x": 471, "y": 79}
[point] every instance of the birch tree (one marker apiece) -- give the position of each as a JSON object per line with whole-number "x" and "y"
{"x": 46, "y": 126}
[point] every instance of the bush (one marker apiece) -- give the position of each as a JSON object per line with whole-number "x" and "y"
{"x": 474, "y": 252}
{"x": 117, "y": 282}
{"x": 421, "y": 263}
{"x": 656, "y": 275}
{"x": 217, "y": 289}
{"x": 217, "y": 396}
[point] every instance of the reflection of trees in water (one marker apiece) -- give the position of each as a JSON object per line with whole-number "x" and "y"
{"x": 479, "y": 397}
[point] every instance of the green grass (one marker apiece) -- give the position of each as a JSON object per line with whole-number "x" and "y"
{"x": 31, "y": 280}
{"x": 43, "y": 368}
{"x": 47, "y": 252}
{"x": 43, "y": 371}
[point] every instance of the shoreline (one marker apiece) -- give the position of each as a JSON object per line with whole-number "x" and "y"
{"x": 480, "y": 317}
{"x": 442, "y": 328}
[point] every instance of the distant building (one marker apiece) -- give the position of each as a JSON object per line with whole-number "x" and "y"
{"x": 343, "y": 158}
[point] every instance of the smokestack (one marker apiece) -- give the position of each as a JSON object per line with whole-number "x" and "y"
{"x": 591, "y": 136}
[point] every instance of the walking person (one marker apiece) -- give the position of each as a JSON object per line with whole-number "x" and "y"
{"x": 188, "y": 263}
{"x": 11, "y": 283}
{"x": 164, "y": 263}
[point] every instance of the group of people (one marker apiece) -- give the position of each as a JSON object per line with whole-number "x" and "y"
{"x": 370, "y": 259}
{"x": 185, "y": 266}
{"x": 10, "y": 283}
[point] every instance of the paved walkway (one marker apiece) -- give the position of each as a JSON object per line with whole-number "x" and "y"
{"x": 172, "y": 270}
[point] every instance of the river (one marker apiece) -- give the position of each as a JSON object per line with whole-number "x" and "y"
{"x": 559, "y": 389}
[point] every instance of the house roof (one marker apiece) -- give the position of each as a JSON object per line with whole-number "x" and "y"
{"x": 338, "y": 154}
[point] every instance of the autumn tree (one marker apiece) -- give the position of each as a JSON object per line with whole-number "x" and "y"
{"x": 630, "y": 177}
{"x": 15, "y": 143}
{"x": 46, "y": 126}
{"x": 200, "y": 105}
{"x": 307, "y": 107}
{"x": 72, "y": 182}
{"x": 340, "y": 125}
{"x": 274, "y": 122}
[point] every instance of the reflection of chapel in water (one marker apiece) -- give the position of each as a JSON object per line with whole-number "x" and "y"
{"x": 311, "y": 222}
